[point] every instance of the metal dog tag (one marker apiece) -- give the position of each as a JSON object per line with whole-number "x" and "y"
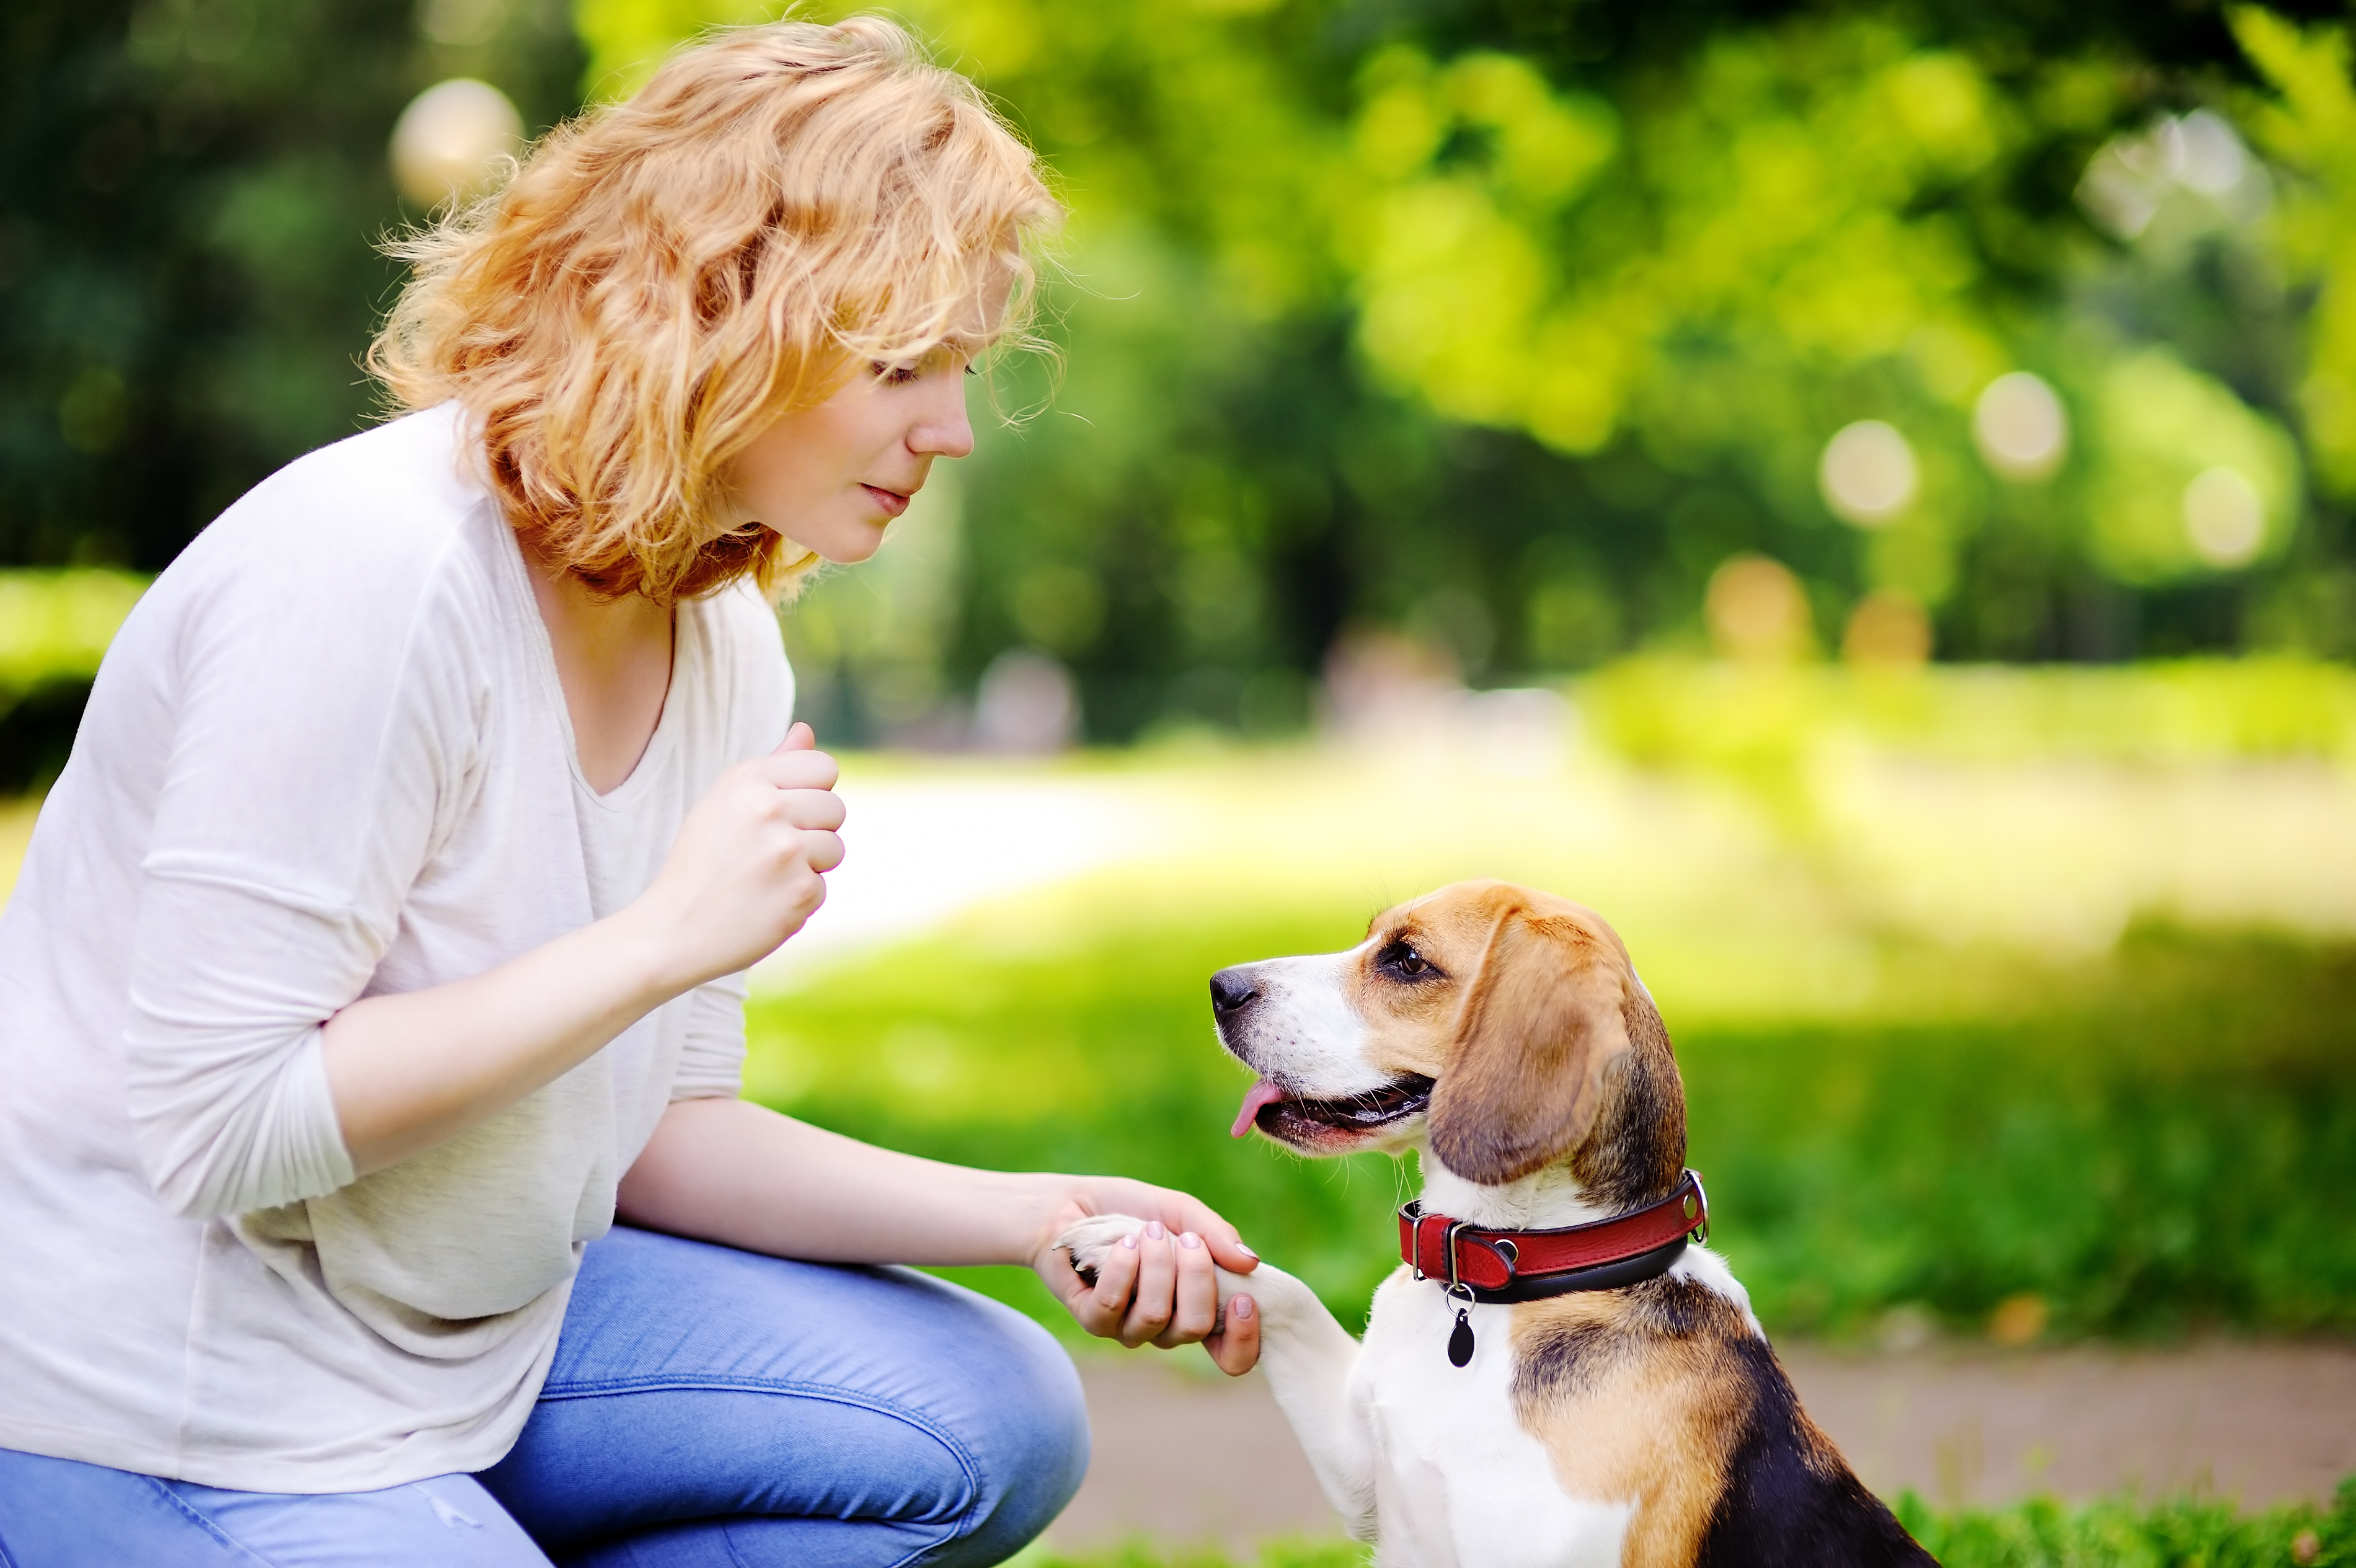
{"x": 1460, "y": 1342}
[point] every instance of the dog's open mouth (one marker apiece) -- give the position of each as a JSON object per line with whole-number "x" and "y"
{"x": 1294, "y": 1120}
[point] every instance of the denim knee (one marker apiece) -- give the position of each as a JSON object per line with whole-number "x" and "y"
{"x": 1032, "y": 1446}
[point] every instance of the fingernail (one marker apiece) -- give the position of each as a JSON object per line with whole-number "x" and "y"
{"x": 1247, "y": 1252}
{"x": 1153, "y": 1229}
{"x": 1240, "y": 1308}
{"x": 1130, "y": 1241}
{"x": 1188, "y": 1239}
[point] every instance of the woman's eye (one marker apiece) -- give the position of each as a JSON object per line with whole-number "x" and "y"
{"x": 896, "y": 375}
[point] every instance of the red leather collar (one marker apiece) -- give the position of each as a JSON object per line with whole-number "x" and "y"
{"x": 1524, "y": 1265}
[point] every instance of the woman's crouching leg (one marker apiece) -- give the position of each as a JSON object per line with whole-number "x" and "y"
{"x": 712, "y": 1406}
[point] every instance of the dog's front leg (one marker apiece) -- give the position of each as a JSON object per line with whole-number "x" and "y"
{"x": 1309, "y": 1358}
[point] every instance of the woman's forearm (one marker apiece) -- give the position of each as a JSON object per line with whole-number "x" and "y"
{"x": 411, "y": 1069}
{"x": 729, "y": 1171}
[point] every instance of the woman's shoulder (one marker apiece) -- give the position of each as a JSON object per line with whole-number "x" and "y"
{"x": 356, "y": 562}
{"x": 372, "y": 520}
{"x": 396, "y": 494}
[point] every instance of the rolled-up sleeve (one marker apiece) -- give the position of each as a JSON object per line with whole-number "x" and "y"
{"x": 712, "y": 1062}
{"x": 311, "y": 751}
{"x": 761, "y": 684}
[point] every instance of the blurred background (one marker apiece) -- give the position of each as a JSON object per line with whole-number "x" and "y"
{"x": 1859, "y": 493}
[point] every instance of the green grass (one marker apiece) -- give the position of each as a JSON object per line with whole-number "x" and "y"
{"x": 2147, "y": 1143}
{"x": 2126, "y": 1534}
{"x": 2111, "y": 1534}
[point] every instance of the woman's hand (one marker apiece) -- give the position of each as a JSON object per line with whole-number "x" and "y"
{"x": 1159, "y": 1287}
{"x": 749, "y": 865}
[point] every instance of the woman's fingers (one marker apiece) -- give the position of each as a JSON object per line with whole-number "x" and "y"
{"x": 1224, "y": 1244}
{"x": 1194, "y": 1304}
{"x": 812, "y": 809}
{"x": 1184, "y": 1212}
{"x": 1102, "y": 1308}
{"x": 796, "y": 770}
{"x": 1157, "y": 1278}
{"x": 800, "y": 737}
{"x": 822, "y": 851}
{"x": 1236, "y": 1346}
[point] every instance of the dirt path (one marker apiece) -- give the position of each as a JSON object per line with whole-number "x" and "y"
{"x": 1184, "y": 1456}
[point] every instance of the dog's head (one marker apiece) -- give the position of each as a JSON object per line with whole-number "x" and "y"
{"x": 1502, "y": 1028}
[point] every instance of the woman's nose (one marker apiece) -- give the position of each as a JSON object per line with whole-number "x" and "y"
{"x": 944, "y": 431}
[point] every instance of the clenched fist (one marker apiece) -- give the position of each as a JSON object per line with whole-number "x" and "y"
{"x": 749, "y": 864}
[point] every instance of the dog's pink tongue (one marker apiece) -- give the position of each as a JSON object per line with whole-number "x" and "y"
{"x": 1261, "y": 1092}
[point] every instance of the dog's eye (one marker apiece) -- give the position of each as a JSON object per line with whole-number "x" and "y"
{"x": 1402, "y": 960}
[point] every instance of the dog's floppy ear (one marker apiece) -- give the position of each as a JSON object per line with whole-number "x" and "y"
{"x": 1540, "y": 1024}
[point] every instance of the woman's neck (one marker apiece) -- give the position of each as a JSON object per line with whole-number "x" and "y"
{"x": 614, "y": 660}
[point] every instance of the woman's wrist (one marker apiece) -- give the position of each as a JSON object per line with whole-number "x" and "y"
{"x": 643, "y": 944}
{"x": 1048, "y": 1202}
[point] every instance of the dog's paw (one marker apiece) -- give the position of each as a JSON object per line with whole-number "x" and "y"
{"x": 1093, "y": 1238}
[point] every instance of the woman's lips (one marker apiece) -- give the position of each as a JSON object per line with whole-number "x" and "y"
{"x": 893, "y": 502}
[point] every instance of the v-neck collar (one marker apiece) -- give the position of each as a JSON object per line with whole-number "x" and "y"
{"x": 624, "y": 795}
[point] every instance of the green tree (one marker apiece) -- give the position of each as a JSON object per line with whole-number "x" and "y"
{"x": 1504, "y": 326}
{"x": 191, "y": 194}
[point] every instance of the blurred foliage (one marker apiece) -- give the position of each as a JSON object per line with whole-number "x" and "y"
{"x": 1501, "y": 326}
{"x": 2308, "y": 123}
{"x": 1507, "y": 328}
{"x": 1671, "y": 713}
{"x": 55, "y": 626}
{"x": 2146, "y": 1143}
{"x": 54, "y": 629}
{"x": 190, "y": 195}
{"x": 2114, "y": 1534}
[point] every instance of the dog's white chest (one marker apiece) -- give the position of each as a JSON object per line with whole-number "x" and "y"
{"x": 1458, "y": 1482}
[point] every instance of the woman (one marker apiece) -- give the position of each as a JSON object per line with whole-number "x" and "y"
{"x": 383, "y": 941}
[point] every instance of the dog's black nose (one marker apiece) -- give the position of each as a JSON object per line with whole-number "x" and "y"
{"x": 1231, "y": 992}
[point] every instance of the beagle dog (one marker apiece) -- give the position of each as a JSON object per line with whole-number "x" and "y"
{"x": 1556, "y": 1376}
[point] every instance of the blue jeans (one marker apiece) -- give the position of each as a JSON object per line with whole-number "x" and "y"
{"x": 707, "y": 1406}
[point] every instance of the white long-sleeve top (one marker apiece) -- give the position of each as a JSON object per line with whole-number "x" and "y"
{"x": 327, "y": 756}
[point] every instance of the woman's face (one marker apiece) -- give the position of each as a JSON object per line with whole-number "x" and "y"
{"x": 832, "y": 478}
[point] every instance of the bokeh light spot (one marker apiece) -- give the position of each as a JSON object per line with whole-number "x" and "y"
{"x": 448, "y": 143}
{"x": 1888, "y": 627}
{"x": 1757, "y": 610}
{"x": 1867, "y": 473}
{"x": 2224, "y": 516}
{"x": 1027, "y": 704}
{"x": 2019, "y": 426}
{"x": 2213, "y": 161}
{"x": 2018, "y": 1320}
{"x": 462, "y": 23}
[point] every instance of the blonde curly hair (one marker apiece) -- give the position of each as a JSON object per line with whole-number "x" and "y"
{"x": 661, "y": 278}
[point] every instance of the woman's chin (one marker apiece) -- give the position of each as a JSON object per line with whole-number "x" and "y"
{"x": 846, "y": 546}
